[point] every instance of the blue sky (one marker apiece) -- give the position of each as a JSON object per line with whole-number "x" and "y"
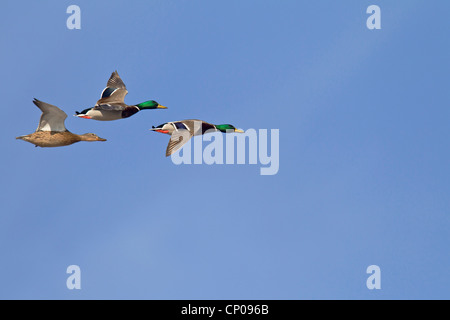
{"x": 363, "y": 178}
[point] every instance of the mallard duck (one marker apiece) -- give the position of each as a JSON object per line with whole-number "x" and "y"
{"x": 182, "y": 131}
{"x": 51, "y": 131}
{"x": 111, "y": 105}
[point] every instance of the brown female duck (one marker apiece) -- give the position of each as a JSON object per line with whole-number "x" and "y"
{"x": 52, "y": 132}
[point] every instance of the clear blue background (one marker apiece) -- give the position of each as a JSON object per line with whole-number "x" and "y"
{"x": 364, "y": 151}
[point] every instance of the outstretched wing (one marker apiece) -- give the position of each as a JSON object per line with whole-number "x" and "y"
{"x": 115, "y": 81}
{"x": 114, "y": 92}
{"x": 52, "y": 118}
{"x": 177, "y": 140}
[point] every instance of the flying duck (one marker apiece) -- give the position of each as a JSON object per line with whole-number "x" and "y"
{"x": 182, "y": 131}
{"x": 52, "y": 132}
{"x": 111, "y": 105}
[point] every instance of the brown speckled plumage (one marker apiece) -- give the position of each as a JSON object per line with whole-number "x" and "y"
{"x": 47, "y": 139}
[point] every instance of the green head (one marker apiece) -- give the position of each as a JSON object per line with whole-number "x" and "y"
{"x": 151, "y": 104}
{"x": 227, "y": 128}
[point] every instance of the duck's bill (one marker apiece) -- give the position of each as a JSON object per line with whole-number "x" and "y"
{"x": 161, "y": 107}
{"x": 101, "y": 139}
{"x": 239, "y": 130}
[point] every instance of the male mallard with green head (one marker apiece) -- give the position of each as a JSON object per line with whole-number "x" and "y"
{"x": 52, "y": 132}
{"x": 181, "y": 131}
{"x": 111, "y": 105}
